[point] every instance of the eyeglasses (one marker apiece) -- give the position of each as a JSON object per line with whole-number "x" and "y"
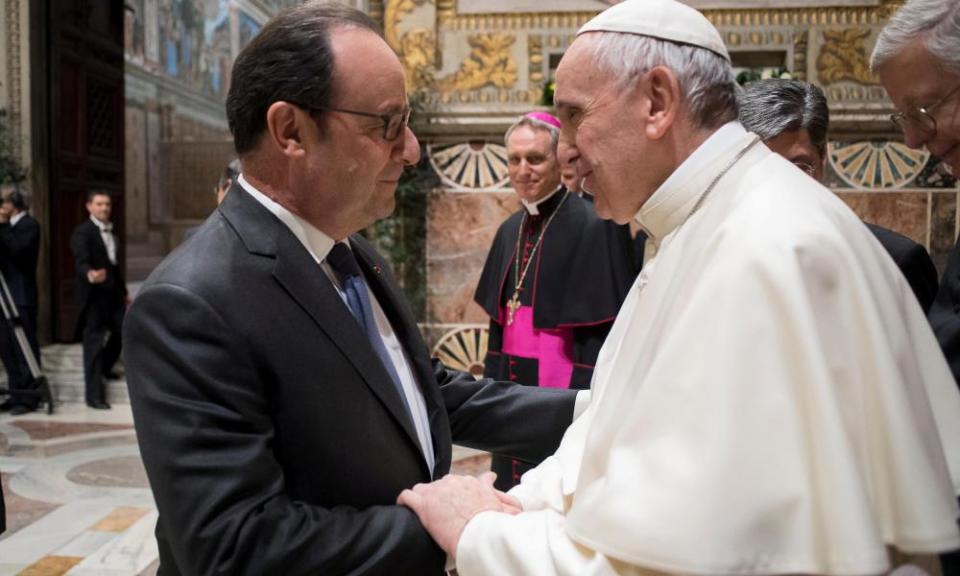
{"x": 920, "y": 119}
{"x": 393, "y": 124}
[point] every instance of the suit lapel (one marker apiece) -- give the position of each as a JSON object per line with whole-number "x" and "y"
{"x": 306, "y": 282}
{"x": 392, "y": 301}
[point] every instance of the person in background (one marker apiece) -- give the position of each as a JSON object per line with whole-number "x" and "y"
{"x": 224, "y": 183}
{"x": 792, "y": 118}
{"x": 19, "y": 251}
{"x": 101, "y": 294}
{"x": 554, "y": 278}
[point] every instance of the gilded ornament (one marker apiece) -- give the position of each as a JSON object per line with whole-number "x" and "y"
{"x": 417, "y": 54}
{"x": 800, "y": 46}
{"x": 490, "y": 63}
{"x": 843, "y": 56}
{"x": 393, "y": 13}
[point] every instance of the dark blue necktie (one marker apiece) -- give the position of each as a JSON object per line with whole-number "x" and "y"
{"x": 342, "y": 261}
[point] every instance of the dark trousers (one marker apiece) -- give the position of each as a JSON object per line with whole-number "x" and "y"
{"x": 19, "y": 379}
{"x": 102, "y": 330}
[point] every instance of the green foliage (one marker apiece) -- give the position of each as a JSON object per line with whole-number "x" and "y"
{"x": 548, "y": 89}
{"x": 10, "y": 168}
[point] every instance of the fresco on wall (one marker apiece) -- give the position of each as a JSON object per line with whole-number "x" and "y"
{"x": 133, "y": 31}
{"x": 194, "y": 40}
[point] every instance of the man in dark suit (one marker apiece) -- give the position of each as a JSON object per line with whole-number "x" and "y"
{"x": 792, "y": 117}
{"x": 101, "y": 296}
{"x": 19, "y": 250}
{"x": 282, "y": 393}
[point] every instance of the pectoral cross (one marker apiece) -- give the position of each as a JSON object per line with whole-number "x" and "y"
{"x": 512, "y": 305}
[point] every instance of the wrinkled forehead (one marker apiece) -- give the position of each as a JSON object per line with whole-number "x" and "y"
{"x": 579, "y": 74}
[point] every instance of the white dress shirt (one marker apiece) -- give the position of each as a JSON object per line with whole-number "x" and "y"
{"x": 106, "y": 233}
{"x": 16, "y": 218}
{"x": 318, "y": 245}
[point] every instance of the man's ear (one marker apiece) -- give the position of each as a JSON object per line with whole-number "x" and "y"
{"x": 285, "y": 128}
{"x": 663, "y": 91}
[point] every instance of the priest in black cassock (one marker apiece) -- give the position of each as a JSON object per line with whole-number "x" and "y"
{"x": 554, "y": 278}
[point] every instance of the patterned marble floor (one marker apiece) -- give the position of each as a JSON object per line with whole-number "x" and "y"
{"x": 78, "y": 501}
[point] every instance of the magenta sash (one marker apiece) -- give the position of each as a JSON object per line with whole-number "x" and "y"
{"x": 552, "y": 348}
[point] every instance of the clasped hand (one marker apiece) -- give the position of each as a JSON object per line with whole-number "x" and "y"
{"x": 446, "y": 505}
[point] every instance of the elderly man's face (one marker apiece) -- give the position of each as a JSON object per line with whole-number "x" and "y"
{"x": 532, "y": 163}
{"x": 602, "y": 134}
{"x": 351, "y": 170}
{"x": 915, "y": 79}
{"x": 797, "y": 147}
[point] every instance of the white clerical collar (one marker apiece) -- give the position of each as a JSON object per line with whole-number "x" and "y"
{"x": 673, "y": 201}
{"x": 534, "y": 207}
{"x": 103, "y": 226}
{"x": 316, "y": 242}
{"x": 16, "y": 218}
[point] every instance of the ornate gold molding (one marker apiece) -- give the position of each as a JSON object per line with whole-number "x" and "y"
{"x": 490, "y": 63}
{"x": 813, "y": 16}
{"x": 417, "y": 53}
{"x": 393, "y": 13}
{"x": 14, "y": 69}
{"x": 843, "y": 56}
{"x": 801, "y": 45}
{"x": 535, "y": 59}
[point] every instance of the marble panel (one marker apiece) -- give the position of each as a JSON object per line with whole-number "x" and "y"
{"x": 21, "y": 511}
{"x": 460, "y": 230}
{"x": 122, "y": 472}
{"x": 120, "y": 519}
{"x": 51, "y": 532}
{"x": 134, "y": 551}
{"x": 51, "y": 566}
{"x": 943, "y": 227}
{"x": 45, "y": 430}
{"x": 903, "y": 212}
{"x": 85, "y": 543}
{"x": 473, "y": 466}
{"x": 135, "y": 172}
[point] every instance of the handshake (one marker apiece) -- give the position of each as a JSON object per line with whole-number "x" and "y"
{"x": 447, "y": 505}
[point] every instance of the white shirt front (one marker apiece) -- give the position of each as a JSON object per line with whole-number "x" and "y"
{"x": 16, "y": 218}
{"x": 106, "y": 233}
{"x": 318, "y": 245}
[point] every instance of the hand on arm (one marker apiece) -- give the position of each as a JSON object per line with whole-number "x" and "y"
{"x": 447, "y": 505}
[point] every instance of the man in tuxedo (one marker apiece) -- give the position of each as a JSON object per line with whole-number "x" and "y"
{"x": 101, "y": 296}
{"x": 19, "y": 250}
{"x": 793, "y": 118}
{"x": 282, "y": 393}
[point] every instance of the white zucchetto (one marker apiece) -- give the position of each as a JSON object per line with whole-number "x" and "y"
{"x": 664, "y": 19}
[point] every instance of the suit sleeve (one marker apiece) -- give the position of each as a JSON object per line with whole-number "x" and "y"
{"x": 524, "y": 422}
{"x": 19, "y": 247}
{"x": 81, "y": 253}
{"x": 207, "y": 440}
{"x": 921, "y": 274}
{"x": 945, "y": 313}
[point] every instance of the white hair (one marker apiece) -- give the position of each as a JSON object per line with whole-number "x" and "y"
{"x": 536, "y": 125}
{"x": 706, "y": 79}
{"x": 936, "y": 21}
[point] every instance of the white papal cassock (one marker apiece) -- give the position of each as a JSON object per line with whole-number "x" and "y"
{"x": 770, "y": 400}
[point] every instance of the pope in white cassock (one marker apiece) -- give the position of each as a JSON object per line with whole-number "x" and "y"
{"x": 770, "y": 400}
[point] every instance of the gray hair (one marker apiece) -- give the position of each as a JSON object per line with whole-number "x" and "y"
{"x": 536, "y": 125}
{"x": 936, "y": 21}
{"x": 706, "y": 79}
{"x": 769, "y": 108}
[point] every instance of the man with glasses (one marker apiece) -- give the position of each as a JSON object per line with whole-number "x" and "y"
{"x": 917, "y": 57}
{"x": 282, "y": 394}
{"x": 792, "y": 118}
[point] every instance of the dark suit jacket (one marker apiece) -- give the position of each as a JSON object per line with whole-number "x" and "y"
{"x": 19, "y": 250}
{"x": 945, "y": 312}
{"x": 914, "y": 262}
{"x": 271, "y": 434}
{"x": 90, "y": 253}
